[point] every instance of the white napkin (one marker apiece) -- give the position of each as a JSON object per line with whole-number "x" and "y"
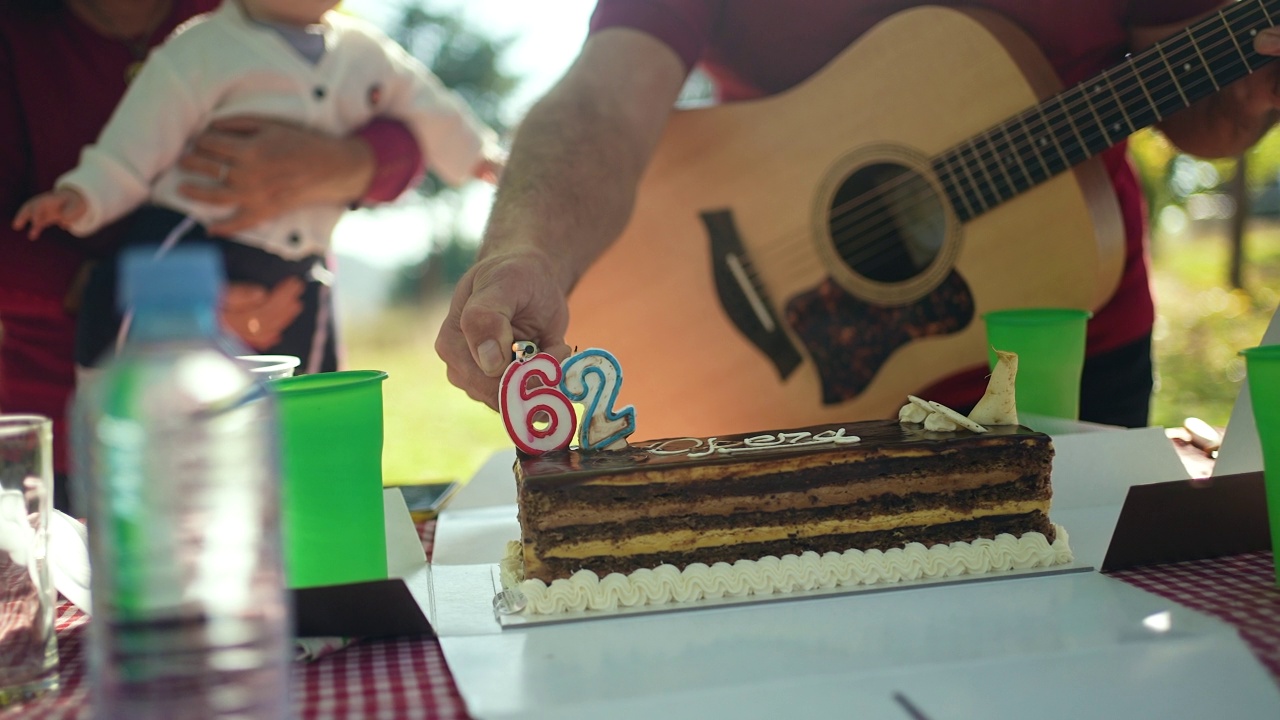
{"x": 69, "y": 559}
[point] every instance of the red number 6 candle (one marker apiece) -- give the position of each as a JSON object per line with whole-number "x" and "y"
{"x": 539, "y": 419}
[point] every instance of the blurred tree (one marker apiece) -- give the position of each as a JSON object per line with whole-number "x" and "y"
{"x": 469, "y": 62}
{"x": 1180, "y": 188}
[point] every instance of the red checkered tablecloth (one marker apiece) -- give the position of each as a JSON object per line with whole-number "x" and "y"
{"x": 408, "y": 678}
{"x": 1239, "y": 590}
{"x": 377, "y": 679}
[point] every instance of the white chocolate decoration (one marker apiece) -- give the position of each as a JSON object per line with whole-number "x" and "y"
{"x": 997, "y": 406}
{"x": 912, "y": 413}
{"x": 938, "y": 422}
{"x": 920, "y": 403}
{"x": 769, "y": 575}
{"x": 957, "y": 418}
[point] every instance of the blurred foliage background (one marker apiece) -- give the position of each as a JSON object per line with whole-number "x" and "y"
{"x": 1215, "y": 246}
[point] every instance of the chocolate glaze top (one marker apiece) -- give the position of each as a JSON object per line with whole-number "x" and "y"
{"x": 676, "y": 452}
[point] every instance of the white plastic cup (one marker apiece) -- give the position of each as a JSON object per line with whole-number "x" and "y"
{"x": 270, "y": 367}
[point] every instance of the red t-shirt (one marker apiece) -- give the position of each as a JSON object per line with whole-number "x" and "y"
{"x": 753, "y": 48}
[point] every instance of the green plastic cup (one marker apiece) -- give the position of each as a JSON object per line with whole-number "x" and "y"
{"x": 1050, "y": 347}
{"x": 331, "y": 435}
{"x": 1263, "y": 367}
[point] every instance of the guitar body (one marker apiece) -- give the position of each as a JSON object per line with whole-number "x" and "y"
{"x": 772, "y": 178}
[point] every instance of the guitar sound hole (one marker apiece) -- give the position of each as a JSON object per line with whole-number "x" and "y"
{"x": 887, "y": 223}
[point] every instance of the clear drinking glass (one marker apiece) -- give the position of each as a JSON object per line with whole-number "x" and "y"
{"x": 28, "y": 601}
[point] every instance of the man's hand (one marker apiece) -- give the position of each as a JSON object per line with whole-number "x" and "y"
{"x": 257, "y": 315}
{"x": 1230, "y": 121}
{"x": 1259, "y": 93}
{"x": 513, "y": 295}
{"x": 266, "y": 167}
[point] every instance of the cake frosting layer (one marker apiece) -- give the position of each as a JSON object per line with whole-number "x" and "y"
{"x": 586, "y": 590}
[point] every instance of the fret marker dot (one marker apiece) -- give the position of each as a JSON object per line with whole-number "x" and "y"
{"x": 1115, "y": 127}
{"x": 1043, "y": 142}
{"x": 1097, "y": 89}
{"x": 1186, "y": 67}
{"x": 1253, "y": 31}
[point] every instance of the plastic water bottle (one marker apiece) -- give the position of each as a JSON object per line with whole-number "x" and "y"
{"x": 177, "y": 445}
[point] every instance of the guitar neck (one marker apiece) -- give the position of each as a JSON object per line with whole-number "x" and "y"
{"x": 1078, "y": 123}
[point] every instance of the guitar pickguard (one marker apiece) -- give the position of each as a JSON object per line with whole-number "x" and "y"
{"x": 743, "y": 299}
{"x": 850, "y": 339}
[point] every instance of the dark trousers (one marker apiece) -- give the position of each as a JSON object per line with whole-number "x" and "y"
{"x": 1116, "y": 386}
{"x": 99, "y": 320}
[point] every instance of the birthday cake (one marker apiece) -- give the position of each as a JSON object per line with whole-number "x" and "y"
{"x": 933, "y": 494}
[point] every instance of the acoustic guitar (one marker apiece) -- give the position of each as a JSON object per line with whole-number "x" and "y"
{"x": 817, "y": 255}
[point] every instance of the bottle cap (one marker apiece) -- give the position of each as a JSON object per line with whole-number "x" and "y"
{"x": 188, "y": 274}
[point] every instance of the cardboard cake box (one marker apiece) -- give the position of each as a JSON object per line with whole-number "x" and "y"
{"x": 395, "y": 606}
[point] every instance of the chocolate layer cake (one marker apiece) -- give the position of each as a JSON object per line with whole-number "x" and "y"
{"x": 867, "y": 485}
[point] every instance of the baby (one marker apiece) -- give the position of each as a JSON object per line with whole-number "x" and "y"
{"x": 286, "y": 59}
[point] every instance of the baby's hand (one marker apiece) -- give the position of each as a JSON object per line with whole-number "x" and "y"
{"x": 489, "y": 169}
{"x": 61, "y": 207}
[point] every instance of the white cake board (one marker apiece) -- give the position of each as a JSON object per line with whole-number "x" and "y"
{"x": 1059, "y": 646}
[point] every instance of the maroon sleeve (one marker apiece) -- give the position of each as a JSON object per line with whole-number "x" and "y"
{"x": 398, "y": 161}
{"x": 1150, "y": 13}
{"x": 684, "y": 25}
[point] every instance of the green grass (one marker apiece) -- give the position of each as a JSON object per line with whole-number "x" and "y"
{"x": 434, "y": 430}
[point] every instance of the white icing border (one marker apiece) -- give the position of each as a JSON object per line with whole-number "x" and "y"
{"x": 769, "y": 575}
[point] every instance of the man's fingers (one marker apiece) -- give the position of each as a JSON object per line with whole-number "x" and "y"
{"x": 1267, "y": 41}
{"x": 478, "y": 387}
{"x": 485, "y": 322}
{"x": 559, "y": 351}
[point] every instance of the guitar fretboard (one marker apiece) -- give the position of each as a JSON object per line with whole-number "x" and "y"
{"x": 1080, "y": 122}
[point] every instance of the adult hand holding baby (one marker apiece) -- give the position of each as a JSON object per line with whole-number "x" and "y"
{"x": 265, "y": 167}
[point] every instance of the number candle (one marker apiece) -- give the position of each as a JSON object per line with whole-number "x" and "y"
{"x": 593, "y": 377}
{"x": 523, "y": 408}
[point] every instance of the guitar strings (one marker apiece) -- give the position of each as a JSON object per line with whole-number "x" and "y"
{"x": 852, "y": 213}
{"x": 850, "y": 229}
{"x": 843, "y": 216}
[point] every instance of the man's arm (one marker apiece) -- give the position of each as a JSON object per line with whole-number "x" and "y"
{"x": 1231, "y": 120}
{"x": 565, "y": 197}
{"x": 578, "y": 156}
